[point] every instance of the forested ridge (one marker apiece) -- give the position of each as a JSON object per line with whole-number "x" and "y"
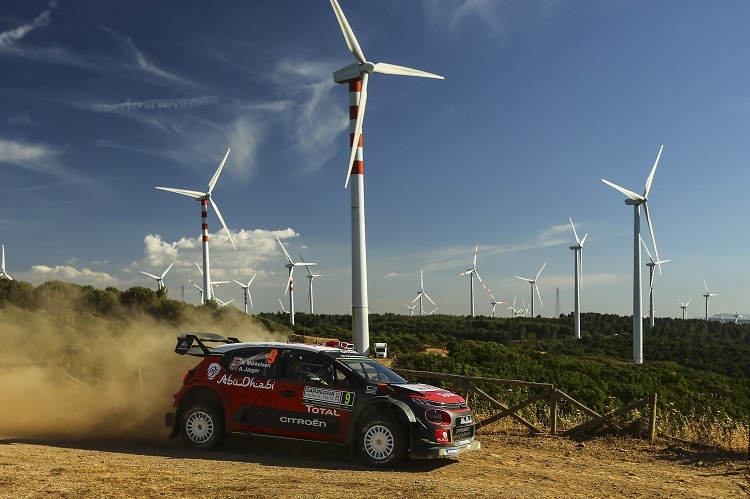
{"x": 698, "y": 369}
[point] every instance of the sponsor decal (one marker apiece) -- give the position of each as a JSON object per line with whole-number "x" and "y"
{"x": 245, "y": 382}
{"x": 371, "y": 390}
{"x": 329, "y": 398}
{"x": 443, "y": 436}
{"x": 213, "y": 370}
{"x": 464, "y": 420}
{"x": 303, "y": 422}
{"x": 449, "y": 452}
{"x": 322, "y": 410}
{"x": 464, "y": 442}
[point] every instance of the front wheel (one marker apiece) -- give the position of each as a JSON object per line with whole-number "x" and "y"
{"x": 202, "y": 427}
{"x": 382, "y": 442}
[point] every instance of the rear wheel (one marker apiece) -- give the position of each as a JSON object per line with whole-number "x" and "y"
{"x": 202, "y": 427}
{"x": 382, "y": 442}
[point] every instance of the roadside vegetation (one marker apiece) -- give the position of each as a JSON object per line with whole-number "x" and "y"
{"x": 699, "y": 370}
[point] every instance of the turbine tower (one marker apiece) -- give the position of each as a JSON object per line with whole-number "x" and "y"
{"x": 290, "y": 282}
{"x": 471, "y": 273}
{"x": 3, "y": 273}
{"x": 653, "y": 263}
{"x": 421, "y": 293}
{"x": 158, "y": 278}
{"x": 707, "y": 296}
{"x": 578, "y": 254}
{"x": 534, "y": 287}
{"x": 357, "y": 76}
{"x": 684, "y": 307}
{"x": 310, "y": 276}
{"x": 636, "y": 200}
{"x": 246, "y": 291}
{"x": 204, "y": 198}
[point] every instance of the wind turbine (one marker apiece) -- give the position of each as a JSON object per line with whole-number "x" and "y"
{"x": 246, "y": 291}
{"x": 684, "y": 307}
{"x": 494, "y": 303}
{"x": 357, "y": 76}
{"x": 653, "y": 263}
{"x": 290, "y": 282}
{"x": 411, "y": 309}
{"x": 534, "y": 287}
{"x": 737, "y": 315}
{"x": 158, "y": 278}
{"x": 471, "y": 273}
{"x": 198, "y": 288}
{"x": 3, "y": 273}
{"x": 204, "y": 198}
{"x": 421, "y": 293}
{"x": 707, "y": 296}
{"x": 578, "y": 254}
{"x": 636, "y": 200}
{"x": 310, "y": 276}
{"x": 512, "y": 308}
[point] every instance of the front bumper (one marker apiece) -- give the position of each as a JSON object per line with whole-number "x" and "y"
{"x": 437, "y": 451}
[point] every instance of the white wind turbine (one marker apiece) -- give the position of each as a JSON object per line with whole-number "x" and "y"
{"x": 246, "y": 291}
{"x": 421, "y": 293}
{"x": 684, "y": 307}
{"x": 494, "y": 303}
{"x": 411, "y": 309}
{"x": 3, "y": 273}
{"x": 636, "y": 200}
{"x": 578, "y": 254}
{"x": 158, "y": 278}
{"x": 198, "y": 288}
{"x": 533, "y": 288}
{"x": 737, "y": 315}
{"x": 204, "y": 198}
{"x": 512, "y": 308}
{"x": 357, "y": 76}
{"x": 653, "y": 263}
{"x": 290, "y": 281}
{"x": 471, "y": 273}
{"x": 311, "y": 277}
{"x": 707, "y": 296}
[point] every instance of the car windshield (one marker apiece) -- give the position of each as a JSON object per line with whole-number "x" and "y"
{"x": 372, "y": 370}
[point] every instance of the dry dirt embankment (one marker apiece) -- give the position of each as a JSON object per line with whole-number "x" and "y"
{"x": 508, "y": 466}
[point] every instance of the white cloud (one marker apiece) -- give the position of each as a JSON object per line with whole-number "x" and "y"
{"x": 155, "y": 104}
{"x": 43, "y": 273}
{"x": 9, "y": 38}
{"x": 40, "y": 158}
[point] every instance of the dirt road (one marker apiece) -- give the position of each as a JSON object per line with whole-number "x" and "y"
{"x": 508, "y": 466}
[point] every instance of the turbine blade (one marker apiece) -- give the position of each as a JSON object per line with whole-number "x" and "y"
{"x": 165, "y": 272}
{"x": 476, "y": 250}
{"x": 632, "y": 195}
{"x": 251, "y": 280}
{"x": 522, "y": 278}
{"x": 643, "y": 243}
{"x": 357, "y": 126}
{"x": 540, "y": 271}
{"x": 392, "y": 69}
{"x": 184, "y": 192}
{"x": 651, "y": 229}
{"x": 351, "y": 40}
{"x": 199, "y": 267}
{"x": 221, "y": 219}
{"x": 250, "y": 298}
{"x": 583, "y": 241}
{"x": 417, "y": 298}
{"x": 284, "y": 250}
{"x": 483, "y": 284}
{"x": 152, "y": 276}
{"x": 575, "y": 233}
{"x": 212, "y": 183}
{"x": 427, "y": 296}
{"x": 651, "y": 175}
{"x": 238, "y": 282}
{"x": 538, "y": 295}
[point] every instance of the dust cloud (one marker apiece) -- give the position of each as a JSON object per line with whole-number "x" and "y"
{"x": 84, "y": 377}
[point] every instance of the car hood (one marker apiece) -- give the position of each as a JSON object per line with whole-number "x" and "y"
{"x": 428, "y": 392}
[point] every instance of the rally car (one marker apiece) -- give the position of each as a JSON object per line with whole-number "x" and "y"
{"x": 318, "y": 393}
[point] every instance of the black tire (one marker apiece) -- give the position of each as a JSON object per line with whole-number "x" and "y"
{"x": 382, "y": 442}
{"x": 202, "y": 427}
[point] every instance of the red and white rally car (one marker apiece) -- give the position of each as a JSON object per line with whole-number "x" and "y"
{"x": 315, "y": 393}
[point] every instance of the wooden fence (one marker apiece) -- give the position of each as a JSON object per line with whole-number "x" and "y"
{"x": 467, "y": 386}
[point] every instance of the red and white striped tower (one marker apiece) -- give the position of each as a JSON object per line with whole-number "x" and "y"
{"x": 360, "y": 310}
{"x": 204, "y": 238}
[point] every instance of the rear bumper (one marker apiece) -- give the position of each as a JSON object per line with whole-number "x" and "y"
{"x": 437, "y": 451}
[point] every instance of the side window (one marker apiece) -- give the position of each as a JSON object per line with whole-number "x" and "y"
{"x": 254, "y": 362}
{"x": 308, "y": 367}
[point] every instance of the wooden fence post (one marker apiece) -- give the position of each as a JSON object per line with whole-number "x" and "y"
{"x": 553, "y": 411}
{"x": 652, "y": 420}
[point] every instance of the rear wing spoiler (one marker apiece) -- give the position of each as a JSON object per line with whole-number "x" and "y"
{"x": 195, "y": 343}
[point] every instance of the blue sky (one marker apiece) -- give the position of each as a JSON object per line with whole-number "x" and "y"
{"x": 103, "y": 100}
